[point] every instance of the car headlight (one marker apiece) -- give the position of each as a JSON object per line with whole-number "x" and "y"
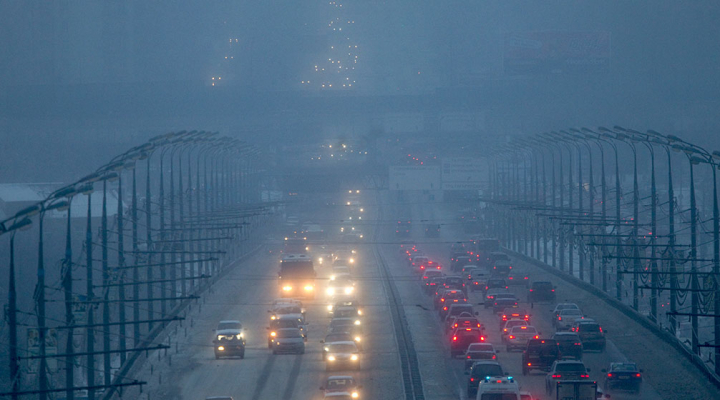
{"x": 357, "y": 322}
{"x": 239, "y": 336}
{"x": 330, "y": 291}
{"x": 320, "y": 260}
{"x": 348, "y": 290}
{"x": 354, "y": 395}
{"x": 331, "y": 358}
{"x": 287, "y": 288}
{"x": 330, "y": 307}
{"x": 273, "y": 334}
{"x": 352, "y": 260}
{"x": 354, "y": 357}
{"x": 332, "y": 277}
{"x": 221, "y": 348}
{"x": 309, "y": 287}
{"x": 326, "y": 348}
{"x": 272, "y": 317}
{"x": 361, "y": 236}
{"x": 359, "y": 312}
{"x": 357, "y": 338}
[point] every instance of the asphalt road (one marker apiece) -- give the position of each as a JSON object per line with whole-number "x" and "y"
{"x": 247, "y": 291}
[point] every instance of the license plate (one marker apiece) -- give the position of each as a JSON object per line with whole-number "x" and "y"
{"x": 624, "y": 377}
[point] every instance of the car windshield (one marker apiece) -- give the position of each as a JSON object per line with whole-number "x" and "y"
{"x": 480, "y": 347}
{"x": 289, "y": 310}
{"x": 625, "y": 367}
{"x": 484, "y": 370}
{"x": 285, "y": 323}
{"x": 460, "y": 309}
{"x": 289, "y": 333}
{"x": 566, "y": 306}
{"x": 344, "y": 383}
{"x": 498, "y": 396}
{"x": 570, "y": 312}
{"x": 342, "y": 348}
{"x": 570, "y": 367}
{"x": 229, "y": 325}
{"x": 589, "y": 327}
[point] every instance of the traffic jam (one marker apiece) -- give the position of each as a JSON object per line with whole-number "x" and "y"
{"x": 305, "y": 252}
{"x": 485, "y": 308}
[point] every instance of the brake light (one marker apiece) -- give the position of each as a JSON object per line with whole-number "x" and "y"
{"x": 482, "y": 338}
{"x": 468, "y": 357}
{"x": 556, "y": 376}
{"x": 442, "y": 300}
{"x": 512, "y": 337}
{"x": 467, "y": 329}
{"x": 531, "y": 290}
{"x": 536, "y": 337}
{"x": 472, "y": 379}
{"x": 601, "y": 330}
{"x": 510, "y": 277}
{"x": 553, "y": 290}
{"x": 529, "y": 364}
{"x": 559, "y": 318}
{"x": 454, "y": 338}
{"x": 609, "y": 375}
{"x": 577, "y": 344}
{"x": 585, "y": 376}
{"x": 493, "y": 356}
{"x": 637, "y": 375}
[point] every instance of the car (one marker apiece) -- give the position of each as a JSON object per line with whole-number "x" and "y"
{"x": 338, "y": 336}
{"x": 541, "y": 291}
{"x": 478, "y": 371}
{"x": 342, "y": 355}
{"x": 519, "y": 336}
{"x": 461, "y": 338}
{"x": 468, "y": 269}
{"x": 229, "y": 340}
{"x": 431, "y": 273}
{"x": 495, "y": 283}
{"x": 355, "y": 331}
{"x": 479, "y": 352}
{"x": 562, "y": 306}
{"x": 623, "y": 375}
{"x": 293, "y": 313}
{"x": 490, "y": 296}
{"x": 431, "y": 284}
{"x": 280, "y": 323}
{"x": 350, "y": 302}
{"x": 283, "y": 302}
{"x": 565, "y": 370}
{"x": 566, "y": 318}
{"x": 450, "y": 297}
{"x": 515, "y": 313}
{"x": 508, "y": 325}
{"x": 516, "y": 279}
{"x": 540, "y": 354}
{"x": 502, "y": 267}
{"x": 418, "y": 262}
{"x": 348, "y": 312}
{"x": 478, "y": 278}
{"x": 504, "y": 304}
{"x": 288, "y": 340}
{"x": 464, "y": 321}
{"x": 340, "y": 286}
{"x": 457, "y": 309}
{"x": 454, "y": 282}
{"x": 591, "y": 334}
{"x": 341, "y": 384}
{"x": 460, "y": 260}
{"x": 570, "y": 345}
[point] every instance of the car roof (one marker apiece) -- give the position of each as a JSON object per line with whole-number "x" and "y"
{"x": 343, "y": 342}
{"x": 561, "y": 333}
{"x": 340, "y": 377}
{"x": 229, "y": 321}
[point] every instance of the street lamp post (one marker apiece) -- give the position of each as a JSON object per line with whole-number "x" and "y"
{"x": 590, "y": 135}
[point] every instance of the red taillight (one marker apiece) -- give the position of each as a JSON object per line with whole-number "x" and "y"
{"x": 493, "y": 356}
{"x": 512, "y": 337}
{"x": 600, "y": 329}
{"x": 510, "y": 277}
{"x": 536, "y": 337}
{"x": 556, "y": 376}
{"x": 439, "y": 267}
{"x": 637, "y": 375}
{"x": 553, "y": 290}
{"x": 529, "y": 364}
{"x": 531, "y": 290}
{"x": 526, "y": 278}
{"x": 475, "y": 283}
{"x": 585, "y": 376}
{"x": 468, "y": 329}
{"x": 442, "y": 300}
{"x": 576, "y": 344}
{"x": 468, "y": 357}
{"x": 425, "y": 277}
{"x": 454, "y": 338}
{"x": 472, "y": 379}
{"x": 559, "y": 318}
{"x": 482, "y": 338}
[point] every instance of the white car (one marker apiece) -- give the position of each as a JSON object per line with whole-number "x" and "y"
{"x": 342, "y": 355}
{"x": 520, "y": 335}
{"x": 566, "y": 318}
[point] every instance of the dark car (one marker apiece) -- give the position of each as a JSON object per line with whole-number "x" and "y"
{"x": 502, "y": 267}
{"x": 461, "y": 338}
{"x": 431, "y": 284}
{"x": 591, "y": 334}
{"x": 479, "y": 352}
{"x": 281, "y": 323}
{"x": 504, "y": 304}
{"x": 622, "y": 375}
{"x": 541, "y": 291}
{"x": 457, "y": 309}
{"x": 495, "y": 283}
{"x": 540, "y": 354}
{"x": 478, "y": 372}
{"x": 229, "y": 340}
{"x": 570, "y": 345}
{"x": 454, "y": 282}
{"x": 460, "y": 260}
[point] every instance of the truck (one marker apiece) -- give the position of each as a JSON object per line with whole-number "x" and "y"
{"x": 296, "y": 277}
{"x": 576, "y": 390}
